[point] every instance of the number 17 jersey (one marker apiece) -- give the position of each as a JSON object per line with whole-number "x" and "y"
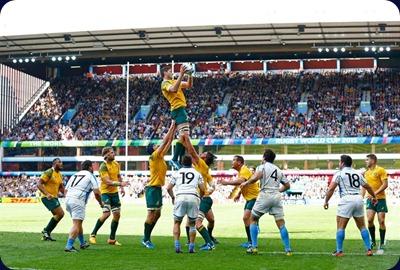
{"x": 349, "y": 181}
{"x": 80, "y": 185}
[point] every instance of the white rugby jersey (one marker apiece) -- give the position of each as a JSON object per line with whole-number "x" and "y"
{"x": 272, "y": 177}
{"x": 80, "y": 185}
{"x": 186, "y": 182}
{"x": 349, "y": 181}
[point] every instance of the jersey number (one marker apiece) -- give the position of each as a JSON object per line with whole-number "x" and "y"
{"x": 187, "y": 176}
{"x": 274, "y": 175}
{"x": 75, "y": 181}
{"x": 354, "y": 180}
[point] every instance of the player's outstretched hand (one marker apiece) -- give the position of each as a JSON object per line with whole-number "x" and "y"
{"x": 182, "y": 70}
{"x": 326, "y": 206}
{"x": 237, "y": 198}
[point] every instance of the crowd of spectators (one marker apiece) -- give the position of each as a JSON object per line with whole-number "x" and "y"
{"x": 385, "y": 100}
{"x": 258, "y": 106}
{"x": 264, "y": 106}
{"x": 42, "y": 122}
{"x": 364, "y": 124}
{"x": 22, "y": 186}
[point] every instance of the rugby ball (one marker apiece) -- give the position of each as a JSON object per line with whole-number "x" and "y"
{"x": 188, "y": 68}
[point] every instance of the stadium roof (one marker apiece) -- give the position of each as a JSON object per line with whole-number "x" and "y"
{"x": 190, "y": 40}
{"x": 257, "y": 27}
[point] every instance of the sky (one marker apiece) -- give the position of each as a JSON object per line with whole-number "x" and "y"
{"x": 22, "y": 17}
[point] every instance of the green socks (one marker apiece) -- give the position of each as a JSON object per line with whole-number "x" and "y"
{"x": 114, "y": 227}
{"x": 51, "y": 225}
{"x": 147, "y": 231}
{"x": 98, "y": 225}
{"x": 204, "y": 233}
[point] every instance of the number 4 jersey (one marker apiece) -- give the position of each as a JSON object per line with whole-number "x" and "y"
{"x": 272, "y": 178}
{"x": 186, "y": 181}
{"x": 80, "y": 185}
{"x": 349, "y": 181}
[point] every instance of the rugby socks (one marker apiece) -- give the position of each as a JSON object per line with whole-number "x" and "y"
{"x": 70, "y": 243}
{"x": 81, "y": 239}
{"x": 191, "y": 247}
{"x": 151, "y": 228}
{"x": 339, "y": 240}
{"x": 52, "y": 224}
{"x": 209, "y": 229}
{"x": 177, "y": 245}
{"x": 248, "y": 233}
{"x": 372, "y": 233}
{"x": 178, "y": 151}
{"x": 187, "y": 233}
{"x": 285, "y": 237}
{"x": 114, "y": 227}
{"x": 365, "y": 238}
{"x": 147, "y": 231}
{"x": 382, "y": 233}
{"x": 254, "y": 235}
{"x": 98, "y": 225}
{"x": 204, "y": 233}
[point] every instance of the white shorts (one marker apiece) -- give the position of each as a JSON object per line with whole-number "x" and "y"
{"x": 186, "y": 205}
{"x": 268, "y": 203}
{"x": 76, "y": 208}
{"x": 351, "y": 206}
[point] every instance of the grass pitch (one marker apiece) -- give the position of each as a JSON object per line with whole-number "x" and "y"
{"x": 311, "y": 229}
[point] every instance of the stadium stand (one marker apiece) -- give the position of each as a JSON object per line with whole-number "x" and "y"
{"x": 258, "y": 106}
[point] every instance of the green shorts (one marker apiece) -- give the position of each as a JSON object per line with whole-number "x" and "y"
{"x": 179, "y": 115}
{"x": 381, "y": 206}
{"x": 249, "y": 204}
{"x": 153, "y": 197}
{"x": 111, "y": 202}
{"x": 51, "y": 204}
{"x": 205, "y": 204}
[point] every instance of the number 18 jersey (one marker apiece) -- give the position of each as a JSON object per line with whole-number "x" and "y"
{"x": 349, "y": 181}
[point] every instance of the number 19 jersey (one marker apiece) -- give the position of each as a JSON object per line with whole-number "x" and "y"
{"x": 349, "y": 181}
{"x": 186, "y": 182}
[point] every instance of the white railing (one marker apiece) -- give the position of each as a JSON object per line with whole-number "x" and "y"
{"x": 16, "y": 89}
